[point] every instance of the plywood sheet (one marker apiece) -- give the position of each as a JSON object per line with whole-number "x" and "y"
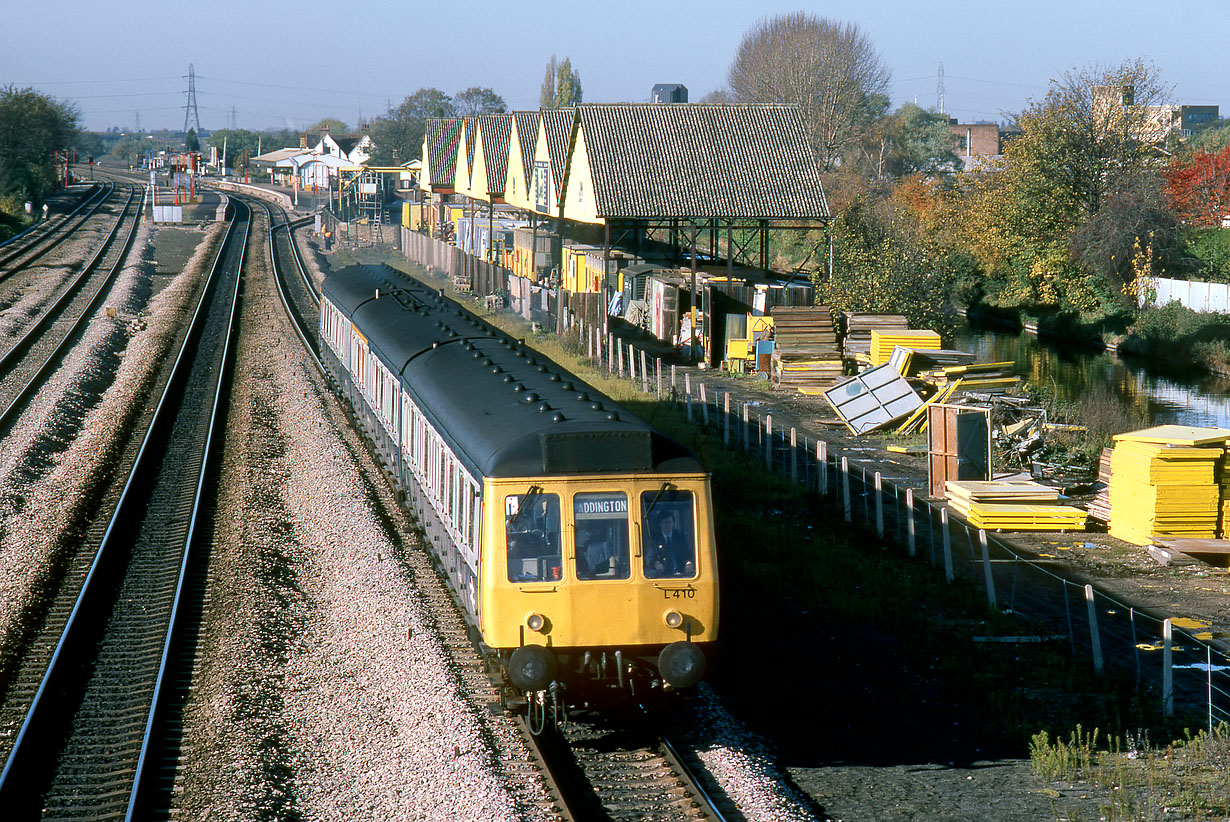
{"x": 1176, "y": 435}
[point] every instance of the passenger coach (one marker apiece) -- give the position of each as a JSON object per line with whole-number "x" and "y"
{"x": 577, "y": 539}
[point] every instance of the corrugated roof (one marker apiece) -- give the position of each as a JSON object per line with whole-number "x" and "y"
{"x": 558, "y": 122}
{"x": 471, "y": 124}
{"x": 696, "y": 160}
{"x": 496, "y": 132}
{"x": 442, "y": 137}
{"x": 527, "y": 138}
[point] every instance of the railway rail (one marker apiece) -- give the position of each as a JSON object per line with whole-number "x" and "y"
{"x": 618, "y": 766}
{"x": 20, "y": 251}
{"x": 26, "y": 363}
{"x": 89, "y": 743}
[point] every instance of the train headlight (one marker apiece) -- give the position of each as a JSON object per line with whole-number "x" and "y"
{"x": 535, "y": 622}
{"x": 672, "y": 618}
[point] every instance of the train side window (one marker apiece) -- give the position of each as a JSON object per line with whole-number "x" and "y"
{"x": 532, "y": 532}
{"x": 669, "y": 534}
{"x": 601, "y": 535}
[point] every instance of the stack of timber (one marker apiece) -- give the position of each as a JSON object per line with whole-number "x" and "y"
{"x": 1164, "y": 483}
{"x": 980, "y": 377}
{"x": 1013, "y": 505}
{"x": 1099, "y": 508}
{"x": 856, "y": 344}
{"x": 884, "y": 340}
{"x": 805, "y": 354}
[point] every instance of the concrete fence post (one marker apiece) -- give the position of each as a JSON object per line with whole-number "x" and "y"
{"x": 986, "y": 568}
{"x": 644, "y": 372}
{"x": 947, "y": 544}
{"x": 747, "y": 430}
{"x": 822, "y": 458}
{"x": 704, "y": 405}
{"x": 1167, "y": 668}
{"x": 768, "y": 442}
{"x": 845, "y": 489}
{"x": 1095, "y": 639}
{"x": 794, "y": 454}
{"x": 610, "y": 353}
{"x": 726, "y": 421}
{"x": 879, "y": 486}
{"x": 910, "y": 534}
{"x": 658, "y": 369}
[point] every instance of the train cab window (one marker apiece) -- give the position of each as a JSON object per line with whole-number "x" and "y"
{"x": 601, "y": 535}
{"x": 669, "y": 534}
{"x": 532, "y": 532}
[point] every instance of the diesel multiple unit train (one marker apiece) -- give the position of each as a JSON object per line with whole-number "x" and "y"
{"x": 577, "y": 539}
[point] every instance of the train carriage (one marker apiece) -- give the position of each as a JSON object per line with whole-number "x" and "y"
{"x": 577, "y": 539}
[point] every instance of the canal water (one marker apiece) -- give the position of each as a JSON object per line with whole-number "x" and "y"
{"x": 1074, "y": 372}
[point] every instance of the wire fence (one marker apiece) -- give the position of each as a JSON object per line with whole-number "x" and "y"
{"x": 1167, "y": 656}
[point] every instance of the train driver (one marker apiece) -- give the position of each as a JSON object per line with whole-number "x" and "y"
{"x": 670, "y": 552}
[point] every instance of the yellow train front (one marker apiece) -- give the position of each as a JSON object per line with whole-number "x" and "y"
{"x": 609, "y": 578}
{"x": 577, "y": 539}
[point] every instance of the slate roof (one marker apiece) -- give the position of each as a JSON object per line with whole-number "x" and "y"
{"x": 558, "y": 122}
{"x": 657, "y": 161}
{"x": 442, "y": 136}
{"x": 496, "y": 131}
{"x": 527, "y": 138}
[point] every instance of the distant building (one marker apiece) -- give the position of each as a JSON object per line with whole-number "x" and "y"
{"x": 669, "y": 93}
{"x": 1111, "y": 105}
{"x": 971, "y": 140}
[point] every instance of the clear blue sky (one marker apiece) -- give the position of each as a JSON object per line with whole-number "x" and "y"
{"x": 280, "y": 64}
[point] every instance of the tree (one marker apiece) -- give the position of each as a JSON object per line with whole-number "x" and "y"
{"x": 398, "y": 135}
{"x": 1198, "y": 188}
{"x": 33, "y": 129}
{"x": 561, "y": 87}
{"x": 1030, "y": 216}
{"x": 191, "y": 141}
{"x": 477, "y": 100}
{"x": 329, "y": 124}
{"x": 829, "y": 69}
{"x": 915, "y": 141}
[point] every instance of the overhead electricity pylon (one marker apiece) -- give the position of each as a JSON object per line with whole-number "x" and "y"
{"x": 190, "y": 110}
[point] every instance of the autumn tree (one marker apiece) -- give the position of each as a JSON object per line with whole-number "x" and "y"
{"x": 1198, "y": 188}
{"x": 561, "y": 86}
{"x": 830, "y": 69}
{"x": 912, "y": 140}
{"x": 1031, "y": 216}
{"x": 398, "y": 135}
{"x": 477, "y": 100}
{"x": 330, "y": 124}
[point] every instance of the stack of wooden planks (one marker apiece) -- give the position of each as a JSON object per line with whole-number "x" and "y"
{"x": 1099, "y": 508}
{"x": 1164, "y": 483}
{"x": 1013, "y": 505}
{"x": 805, "y": 354}
{"x": 884, "y": 340}
{"x": 856, "y": 343}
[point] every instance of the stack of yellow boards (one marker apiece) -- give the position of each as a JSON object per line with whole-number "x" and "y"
{"x": 883, "y": 340}
{"x": 1165, "y": 483}
{"x": 1012, "y": 505}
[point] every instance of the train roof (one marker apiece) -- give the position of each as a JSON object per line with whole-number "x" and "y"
{"x": 505, "y": 409}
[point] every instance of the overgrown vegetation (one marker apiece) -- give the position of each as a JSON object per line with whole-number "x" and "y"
{"x": 1188, "y": 778}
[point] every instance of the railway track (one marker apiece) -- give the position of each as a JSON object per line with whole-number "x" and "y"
{"x": 28, "y": 360}
{"x": 94, "y": 742}
{"x": 21, "y": 251}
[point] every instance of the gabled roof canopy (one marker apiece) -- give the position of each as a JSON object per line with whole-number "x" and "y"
{"x": 649, "y": 161}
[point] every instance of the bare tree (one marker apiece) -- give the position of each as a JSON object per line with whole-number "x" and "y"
{"x": 830, "y": 69}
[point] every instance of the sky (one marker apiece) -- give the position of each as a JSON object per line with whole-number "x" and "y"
{"x": 274, "y": 64}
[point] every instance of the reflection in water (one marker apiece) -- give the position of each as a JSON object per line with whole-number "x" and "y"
{"x": 1195, "y": 399}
